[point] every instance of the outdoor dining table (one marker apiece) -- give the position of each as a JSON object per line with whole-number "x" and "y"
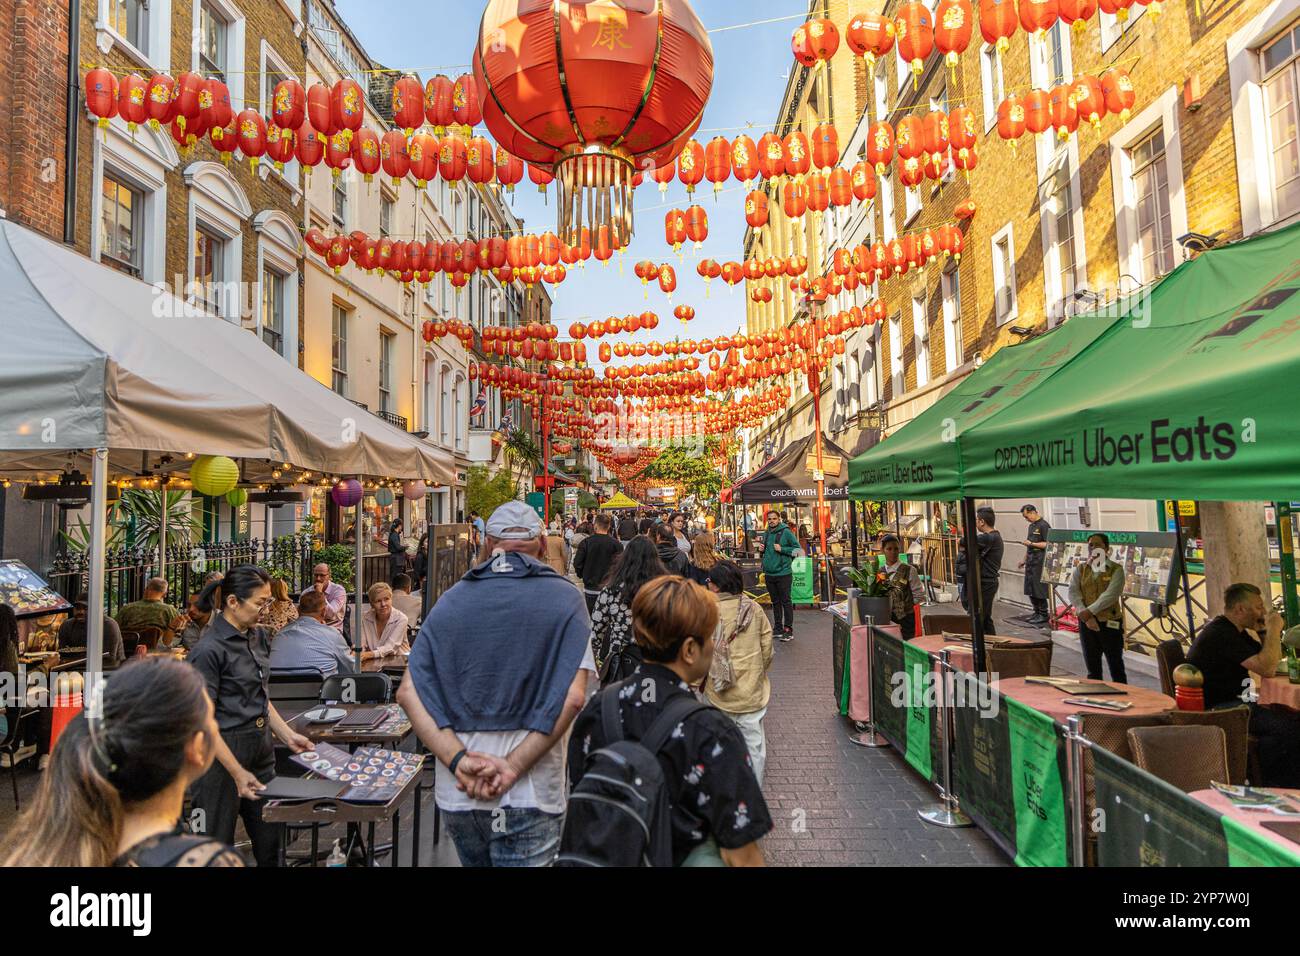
{"x": 1219, "y": 803}
{"x": 962, "y": 654}
{"x": 388, "y": 733}
{"x": 1279, "y": 690}
{"x": 1050, "y": 700}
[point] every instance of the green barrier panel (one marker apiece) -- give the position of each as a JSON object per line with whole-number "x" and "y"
{"x": 801, "y": 581}
{"x": 919, "y": 732}
{"x": 887, "y": 660}
{"x": 981, "y": 772}
{"x": 1038, "y": 787}
{"x": 1143, "y": 821}
{"x": 840, "y": 634}
{"x": 1248, "y": 847}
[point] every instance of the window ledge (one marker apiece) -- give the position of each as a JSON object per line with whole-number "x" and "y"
{"x": 266, "y": 170}
{"x": 106, "y": 38}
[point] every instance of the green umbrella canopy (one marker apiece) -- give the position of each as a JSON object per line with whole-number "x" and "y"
{"x": 1194, "y": 393}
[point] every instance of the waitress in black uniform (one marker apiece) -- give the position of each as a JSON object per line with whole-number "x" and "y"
{"x": 1035, "y": 552}
{"x": 233, "y": 657}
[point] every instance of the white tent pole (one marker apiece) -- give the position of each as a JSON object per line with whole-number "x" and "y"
{"x": 358, "y": 575}
{"x": 95, "y": 598}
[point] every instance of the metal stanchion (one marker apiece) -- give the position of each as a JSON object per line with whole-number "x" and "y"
{"x": 947, "y": 813}
{"x": 867, "y": 737}
{"x": 1074, "y": 744}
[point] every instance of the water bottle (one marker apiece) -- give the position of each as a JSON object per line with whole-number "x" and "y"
{"x": 337, "y": 857}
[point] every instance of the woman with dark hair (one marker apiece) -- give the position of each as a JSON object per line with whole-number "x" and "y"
{"x": 673, "y": 557}
{"x": 646, "y": 527}
{"x": 611, "y": 615}
{"x": 234, "y": 660}
{"x": 397, "y": 560}
{"x": 116, "y": 783}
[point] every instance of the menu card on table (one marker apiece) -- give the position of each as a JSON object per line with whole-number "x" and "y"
{"x": 370, "y": 775}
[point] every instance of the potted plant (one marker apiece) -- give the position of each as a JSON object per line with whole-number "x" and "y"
{"x": 870, "y": 589}
{"x": 1291, "y": 646}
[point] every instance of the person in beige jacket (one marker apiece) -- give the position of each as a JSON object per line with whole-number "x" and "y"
{"x": 744, "y": 639}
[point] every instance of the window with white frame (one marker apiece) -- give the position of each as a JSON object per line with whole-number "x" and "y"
{"x": 430, "y": 394}
{"x": 992, "y": 84}
{"x": 340, "y": 200}
{"x": 213, "y": 42}
{"x": 209, "y": 261}
{"x": 1061, "y": 261}
{"x": 130, "y": 20}
{"x": 1004, "y": 275}
{"x": 950, "y": 291}
{"x": 385, "y": 371}
{"x": 889, "y": 227}
{"x": 1150, "y": 184}
{"x": 444, "y": 406}
{"x": 121, "y": 225}
{"x": 1049, "y": 64}
{"x": 869, "y": 367}
{"x": 386, "y": 214}
{"x": 881, "y": 81}
{"x": 462, "y": 410}
{"x": 1280, "y": 67}
{"x": 911, "y": 203}
{"x": 921, "y": 337}
{"x": 896, "y": 354}
{"x": 217, "y": 211}
{"x": 339, "y": 350}
{"x": 273, "y": 309}
{"x": 141, "y": 29}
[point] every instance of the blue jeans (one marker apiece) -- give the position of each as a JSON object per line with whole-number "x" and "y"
{"x": 507, "y": 836}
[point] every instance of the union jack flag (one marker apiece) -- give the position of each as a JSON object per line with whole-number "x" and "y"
{"x": 480, "y": 403}
{"x": 507, "y": 423}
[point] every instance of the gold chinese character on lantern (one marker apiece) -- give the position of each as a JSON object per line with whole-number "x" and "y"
{"x": 611, "y": 35}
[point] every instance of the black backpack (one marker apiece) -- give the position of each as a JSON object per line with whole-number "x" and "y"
{"x": 620, "y": 665}
{"x": 619, "y": 812}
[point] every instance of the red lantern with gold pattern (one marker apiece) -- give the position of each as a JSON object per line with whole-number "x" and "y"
{"x": 479, "y": 168}
{"x": 1038, "y": 111}
{"x": 910, "y": 141}
{"x": 690, "y": 166}
{"x": 1089, "y": 99}
{"x": 717, "y": 163}
{"x": 997, "y": 23}
{"x": 347, "y": 105}
{"x": 914, "y": 31}
{"x": 840, "y": 184}
{"x": 911, "y": 172}
{"x": 160, "y": 96}
{"x": 365, "y": 152}
{"x": 744, "y": 159}
{"x": 880, "y": 146}
{"x": 250, "y": 133}
{"x": 101, "y": 95}
{"x": 423, "y": 153}
{"x": 684, "y": 312}
{"x": 465, "y": 102}
{"x": 408, "y": 103}
{"x": 186, "y": 94}
{"x": 825, "y": 146}
{"x": 697, "y": 225}
{"x": 817, "y": 192}
{"x": 771, "y": 156}
{"x": 394, "y": 156}
{"x": 453, "y": 157}
{"x": 935, "y": 132}
{"x": 131, "y": 106}
{"x": 794, "y": 201}
{"x": 954, "y": 20}
{"x": 1011, "y": 119}
{"x": 675, "y": 229}
{"x": 509, "y": 169}
{"x": 1061, "y": 105}
{"x": 756, "y": 209}
{"x": 1117, "y": 91}
{"x": 797, "y": 154}
{"x": 438, "y": 96}
{"x": 870, "y": 36}
{"x": 864, "y": 181}
{"x": 732, "y": 273}
{"x": 814, "y": 42}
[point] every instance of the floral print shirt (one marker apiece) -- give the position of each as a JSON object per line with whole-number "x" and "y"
{"x": 611, "y": 626}
{"x": 711, "y": 782}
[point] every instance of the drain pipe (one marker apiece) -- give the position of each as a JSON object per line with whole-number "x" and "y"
{"x": 70, "y": 144}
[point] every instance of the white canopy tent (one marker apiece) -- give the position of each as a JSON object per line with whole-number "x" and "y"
{"x": 109, "y": 375}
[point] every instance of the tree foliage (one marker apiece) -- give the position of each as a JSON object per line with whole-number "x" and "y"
{"x": 484, "y": 493}
{"x": 687, "y": 467}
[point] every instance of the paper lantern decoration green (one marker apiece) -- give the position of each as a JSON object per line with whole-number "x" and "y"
{"x": 384, "y": 497}
{"x": 237, "y": 497}
{"x": 214, "y": 475}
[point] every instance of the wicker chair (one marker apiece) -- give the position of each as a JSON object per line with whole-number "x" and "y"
{"x": 1019, "y": 660}
{"x": 1235, "y": 724}
{"x": 952, "y": 623}
{"x": 1109, "y": 731}
{"x": 1169, "y": 654}
{"x": 1189, "y": 757}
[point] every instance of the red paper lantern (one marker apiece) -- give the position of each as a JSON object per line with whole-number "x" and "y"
{"x": 911, "y": 172}
{"x": 684, "y": 312}
{"x": 880, "y": 146}
{"x": 509, "y": 169}
{"x": 717, "y": 163}
{"x": 697, "y": 225}
{"x": 910, "y": 137}
{"x": 438, "y": 100}
{"x": 825, "y": 146}
{"x": 250, "y": 133}
{"x": 756, "y": 209}
{"x": 365, "y": 152}
{"x": 1037, "y": 16}
{"x": 840, "y": 183}
{"x": 289, "y": 105}
{"x": 161, "y": 105}
{"x": 422, "y": 152}
{"x": 797, "y": 154}
{"x": 667, "y": 280}
{"x": 279, "y": 145}
{"x": 186, "y": 96}
{"x": 131, "y": 106}
{"x": 732, "y": 273}
{"x": 215, "y": 103}
{"x": 408, "y": 103}
{"x": 1117, "y": 90}
{"x": 815, "y": 42}
{"x": 794, "y": 201}
{"x": 1116, "y": 8}
{"x": 953, "y": 22}
{"x": 1011, "y": 118}
{"x": 1077, "y": 13}
{"x": 453, "y": 157}
{"x": 394, "y": 155}
{"x": 1065, "y": 116}
{"x": 870, "y": 35}
{"x": 464, "y": 102}
{"x": 319, "y": 113}
{"x": 914, "y": 30}
{"x": 479, "y": 167}
{"x": 1038, "y": 111}
{"x": 817, "y": 192}
{"x": 864, "y": 181}
{"x": 771, "y": 156}
{"x": 347, "y": 105}
{"x": 744, "y": 159}
{"x": 935, "y": 132}
{"x": 1089, "y": 99}
{"x": 997, "y": 23}
{"x": 690, "y": 166}
{"x": 675, "y": 229}
{"x": 101, "y": 95}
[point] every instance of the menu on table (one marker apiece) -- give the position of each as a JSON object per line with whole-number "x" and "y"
{"x": 369, "y": 775}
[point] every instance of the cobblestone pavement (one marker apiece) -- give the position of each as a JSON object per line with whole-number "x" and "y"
{"x": 835, "y": 803}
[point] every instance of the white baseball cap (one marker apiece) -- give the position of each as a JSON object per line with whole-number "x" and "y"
{"x": 514, "y": 521}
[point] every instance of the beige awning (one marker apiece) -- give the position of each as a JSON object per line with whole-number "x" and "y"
{"x": 93, "y": 358}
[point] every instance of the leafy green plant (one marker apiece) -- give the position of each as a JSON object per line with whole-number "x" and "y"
{"x": 485, "y": 493}
{"x": 340, "y": 558}
{"x": 690, "y": 468}
{"x": 870, "y": 579}
{"x": 523, "y": 454}
{"x": 136, "y": 519}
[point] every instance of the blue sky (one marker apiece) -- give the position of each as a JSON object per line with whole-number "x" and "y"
{"x": 750, "y": 69}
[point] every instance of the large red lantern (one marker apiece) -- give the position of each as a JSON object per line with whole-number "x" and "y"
{"x": 101, "y": 95}
{"x": 935, "y": 132}
{"x": 1061, "y": 105}
{"x": 422, "y": 152}
{"x": 188, "y": 104}
{"x": 1038, "y": 111}
{"x": 288, "y": 105}
{"x": 815, "y": 42}
{"x": 479, "y": 167}
{"x": 1117, "y": 90}
{"x": 794, "y": 199}
{"x": 744, "y": 159}
{"x": 394, "y": 155}
{"x": 347, "y": 105}
{"x": 880, "y": 146}
{"x": 318, "y": 110}
{"x": 998, "y": 23}
{"x": 717, "y": 163}
{"x": 756, "y": 211}
{"x": 464, "y": 102}
{"x": 864, "y": 181}
{"x": 1089, "y": 99}
{"x": 214, "y": 101}
{"x": 771, "y": 156}
{"x": 131, "y": 94}
{"x": 1011, "y": 119}
{"x": 309, "y": 147}
{"x": 840, "y": 184}
{"x": 438, "y": 94}
{"x": 817, "y": 192}
{"x": 161, "y": 103}
{"x": 825, "y": 146}
{"x": 365, "y": 152}
{"x": 408, "y": 103}
{"x": 453, "y": 157}
{"x": 870, "y": 35}
{"x": 615, "y": 83}
{"x": 697, "y": 225}
{"x": 953, "y": 22}
{"x": 509, "y": 169}
{"x": 690, "y": 166}
{"x": 797, "y": 154}
{"x": 250, "y": 133}
{"x": 1037, "y": 16}
{"x": 914, "y": 29}
{"x": 675, "y": 228}
{"x": 910, "y": 137}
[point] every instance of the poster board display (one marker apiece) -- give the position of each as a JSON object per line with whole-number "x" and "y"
{"x": 1150, "y": 560}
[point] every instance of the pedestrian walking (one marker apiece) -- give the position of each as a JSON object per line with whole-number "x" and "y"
{"x": 778, "y": 546}
{"x": 703, "y": 557}
{"x": 594, "y": 557}
{"x": 492, "y": 691}
{"x": 742, "y": 655}
{"x": 1035, "y": 552}
{"x": 580, "y": 534}
{"x": 627, "y": 529}
{"x": 716, "y": 812}
{"x": 611, "y": 615}
{"x": 673, "y": 557}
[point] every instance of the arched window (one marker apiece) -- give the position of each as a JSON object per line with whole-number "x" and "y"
{"x": 462, "y": 411}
